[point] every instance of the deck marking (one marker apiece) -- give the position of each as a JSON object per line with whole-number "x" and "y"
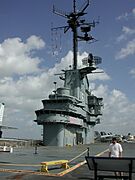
{"x": 46, "y": 174}
{"x": 72, "y": 168}
{"x": 78, "y": 165}
{"x": 102, "y": 152}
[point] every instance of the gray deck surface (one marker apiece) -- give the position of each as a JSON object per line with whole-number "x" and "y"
{"x": 80, "y": 173}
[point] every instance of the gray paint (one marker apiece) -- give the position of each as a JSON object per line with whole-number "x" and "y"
{"x": 70, "y": 113}
{"x": 49, "y": 131}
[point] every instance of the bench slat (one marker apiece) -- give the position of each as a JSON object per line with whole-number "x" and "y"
{"x": 111, "y": 164}
{"x": 112, "y": 177}
{"x": 124, "y": 164}
{"x": 54, "y": 162}
{"x": 63, "y": 163}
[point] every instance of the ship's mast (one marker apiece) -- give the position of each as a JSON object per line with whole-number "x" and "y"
{"x": 75, "y": 23}
{"x": 75, "y": 40}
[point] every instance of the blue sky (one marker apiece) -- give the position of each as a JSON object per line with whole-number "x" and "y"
{"x": 27, "y": 64}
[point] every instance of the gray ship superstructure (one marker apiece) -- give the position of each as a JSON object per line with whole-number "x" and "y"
{"x": 71, "y": 112}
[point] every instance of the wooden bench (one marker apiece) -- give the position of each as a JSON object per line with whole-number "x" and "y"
{"x": 63, "y": 163}
{"x": 98, "y": 164}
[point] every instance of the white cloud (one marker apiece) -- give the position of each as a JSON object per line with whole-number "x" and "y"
{"x": 128, "y": 50}
{"x": 133, "y": 11}
{"x": 16, "y": 56}
{"x": 22, "y": 96}
{"x": 123, "y": 16}
{"x": 99, "y": 74}
{"x": 126, "y": 31}
{"x": 34, "y": 42}
{"x": 132, "y": 72}
{"x": 127, "y": 15}
{"x": 118, "y": 112}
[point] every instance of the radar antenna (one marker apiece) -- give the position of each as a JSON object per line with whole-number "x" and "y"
{"x": 77, "y": 25}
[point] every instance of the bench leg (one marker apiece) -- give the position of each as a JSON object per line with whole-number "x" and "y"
{"x": 65, "y": 166}
{"x": 44, "y": 169}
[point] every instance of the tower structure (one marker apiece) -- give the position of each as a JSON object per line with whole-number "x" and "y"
{"x": 70, "y": 113}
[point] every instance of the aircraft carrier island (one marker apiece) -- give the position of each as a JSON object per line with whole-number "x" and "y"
{"x": 70, "y": 113}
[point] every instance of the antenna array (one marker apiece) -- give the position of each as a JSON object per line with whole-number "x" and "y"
{"x": 80, "y": 28}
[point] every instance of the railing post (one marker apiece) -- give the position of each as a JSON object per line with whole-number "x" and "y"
{"x": 130, "y": 170}
{"x": 88, "y": 150}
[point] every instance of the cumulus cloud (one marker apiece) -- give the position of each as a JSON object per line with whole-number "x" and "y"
{"x": 133, "y": 11}
{"x": 16, "y": 56}
{"x": 128, "y": 50}
{"x": 126, "y": 32}
{"x": 127, "y": 15}
{"x": 132, "y": 72}
{"x": 22, "y": 96}
{"x": 118, "y": 112}
{"x": 98, "y": 74}
{"x": 116, "y": 105}
{"x": 34, "y": 42}
{"x": 123, "y": 16}
{"x": 67, "y": 61}
{"x": 26, "y": 92}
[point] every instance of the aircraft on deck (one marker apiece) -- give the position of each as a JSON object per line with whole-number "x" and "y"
{"x": 106, "y": 137}
{"x": 2, "y": 106}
